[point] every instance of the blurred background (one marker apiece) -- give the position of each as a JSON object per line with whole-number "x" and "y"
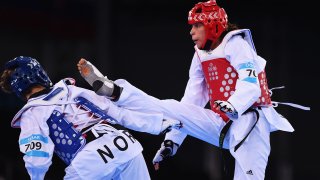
{"x": 147, "y": 42}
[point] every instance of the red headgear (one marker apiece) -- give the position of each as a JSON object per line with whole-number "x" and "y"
{"x": 213, "y": 18}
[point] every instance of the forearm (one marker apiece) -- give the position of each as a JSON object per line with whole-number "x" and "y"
{"x": 176, "y": 136}
{"x": 245, "y": 96}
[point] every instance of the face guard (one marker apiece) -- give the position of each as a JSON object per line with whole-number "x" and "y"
{"x": 213, "y": 18}
{"x": 27, "y": 72}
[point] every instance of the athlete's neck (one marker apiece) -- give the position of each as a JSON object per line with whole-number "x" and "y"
{"x": 215, "y": 44}
{"x": 34, "y": 90}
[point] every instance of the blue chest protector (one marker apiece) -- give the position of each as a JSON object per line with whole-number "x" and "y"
{"x": 67, "y": 140}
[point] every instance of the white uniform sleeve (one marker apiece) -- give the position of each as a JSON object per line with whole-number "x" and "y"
{"x": 195, "y": 93}
{"x": 35, "y": 143}
{"x": 244, "y": 59}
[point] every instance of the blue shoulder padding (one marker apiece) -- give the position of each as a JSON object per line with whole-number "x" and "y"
{"x": 89, "y": 106}
{"x": 53, "y": 93}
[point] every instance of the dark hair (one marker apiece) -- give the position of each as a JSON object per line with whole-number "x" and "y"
{"x": 230, "y": 27}
{"x": 4, "y": 81}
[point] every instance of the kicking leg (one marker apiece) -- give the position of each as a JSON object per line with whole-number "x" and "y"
{"x": 197, "y": 121}
{"x": 105, "y": 87}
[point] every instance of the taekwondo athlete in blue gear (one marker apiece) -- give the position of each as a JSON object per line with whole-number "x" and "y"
{"x": 76, "y": 124}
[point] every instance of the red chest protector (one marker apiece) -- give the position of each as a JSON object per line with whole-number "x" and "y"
{"x": 221, "y": 80}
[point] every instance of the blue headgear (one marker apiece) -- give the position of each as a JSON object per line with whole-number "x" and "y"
{"x": 28, "y": 72}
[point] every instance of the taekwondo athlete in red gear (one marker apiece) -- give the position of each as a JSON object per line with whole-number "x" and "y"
{"x": 226, "y": 71}
{"x": 77, "y": 125}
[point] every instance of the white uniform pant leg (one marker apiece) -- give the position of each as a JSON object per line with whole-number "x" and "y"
{"x": 136, "y": 169}
{"x": 149, "y": 122}
{"x": 198, "y": 122}
{"x": 251, "y": 158}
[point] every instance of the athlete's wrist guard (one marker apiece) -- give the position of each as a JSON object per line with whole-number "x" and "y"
{"x": 227, "y": 108}
{"x": 168, "y": 148}
{"x": 107, "y": 88}
{"x": 168, "y": 124}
